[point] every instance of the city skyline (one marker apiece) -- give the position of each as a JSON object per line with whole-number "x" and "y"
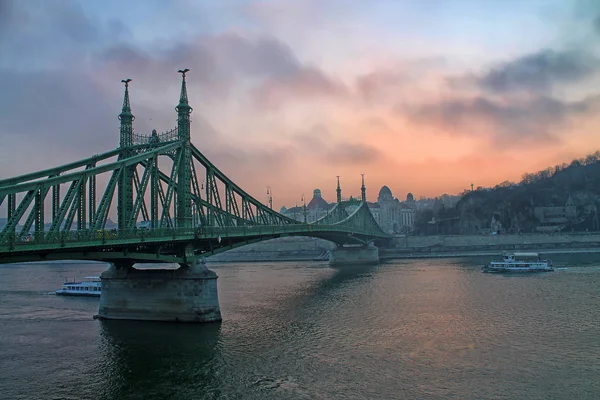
{"x": 429, "y": 96}
{"x": 346, "y": 194}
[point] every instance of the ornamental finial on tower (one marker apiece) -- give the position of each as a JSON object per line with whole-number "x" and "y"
{"x": 363, "y": 189}
{"x": 183, "y": 106}
{"x": 339, "y": 191}
{"x": 126, "y": 110}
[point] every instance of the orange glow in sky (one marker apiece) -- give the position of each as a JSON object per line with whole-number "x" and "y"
{"x": 291, "y": 94}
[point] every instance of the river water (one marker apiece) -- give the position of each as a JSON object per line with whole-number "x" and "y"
{"x": 415, "y": 329}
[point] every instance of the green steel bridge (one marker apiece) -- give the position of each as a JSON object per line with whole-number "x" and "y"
{"x": 189, "y": 207}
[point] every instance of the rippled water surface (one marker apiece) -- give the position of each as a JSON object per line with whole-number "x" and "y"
{"x": 418, "y": 329}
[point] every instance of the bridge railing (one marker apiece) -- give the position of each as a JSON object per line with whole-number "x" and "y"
{"x": 140, "y": 139}
{"x": 87, "y": 237}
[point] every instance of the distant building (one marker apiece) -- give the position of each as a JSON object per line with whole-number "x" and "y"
{"x": 554, "y": 219}
{"x": 391, "y": 214}
{"x": 395, "y": 216}
{"x": 316, "y": 208}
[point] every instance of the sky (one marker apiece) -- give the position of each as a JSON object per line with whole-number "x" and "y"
{"x": 424, "y": 96}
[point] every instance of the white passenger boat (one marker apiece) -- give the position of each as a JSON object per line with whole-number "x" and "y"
{"x": 89, "y": 286}
{"x": 519, "y": 262}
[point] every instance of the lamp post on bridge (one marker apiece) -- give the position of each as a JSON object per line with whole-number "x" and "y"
{"x": 304, "y": 207}
{"x": 270, "y": 194}
{"x": 363, "y": 189}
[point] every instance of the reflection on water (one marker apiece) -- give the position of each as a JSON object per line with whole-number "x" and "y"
{"x": 162, "y": 359}
{"x": 413, "y": 329}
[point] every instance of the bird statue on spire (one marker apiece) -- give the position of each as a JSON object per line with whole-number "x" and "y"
{"x": 183, "y": 106}
{"x": 126, "y": 110}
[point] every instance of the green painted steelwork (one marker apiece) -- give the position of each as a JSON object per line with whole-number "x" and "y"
{"x": 125, "y": 184}
{"x": 184, "y": 173}
{"x": 172, "y": 205}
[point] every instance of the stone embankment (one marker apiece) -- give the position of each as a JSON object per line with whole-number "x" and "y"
{"x": 460, "y": 245}
{"x": 283, "y": 249}
{"x": 309, "y": 249}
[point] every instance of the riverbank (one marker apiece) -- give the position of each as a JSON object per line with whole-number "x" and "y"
{"x": 282, "y": 249}
{"x": 312, "y": 249}
{"x": 525, "y": 240}
{"x": 388, "y": 256}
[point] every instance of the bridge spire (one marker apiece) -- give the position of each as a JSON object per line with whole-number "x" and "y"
{"x": 184, "y": 174}
{"x": 183, "y": 109}
{"x": 363, "y": 189}
{"x": 125, "y": 183}
{"x": 339, "y": 191}
{"x": 126, "y": 118}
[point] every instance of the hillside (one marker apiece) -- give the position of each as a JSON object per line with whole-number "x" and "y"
{"x": 561, "y": 198}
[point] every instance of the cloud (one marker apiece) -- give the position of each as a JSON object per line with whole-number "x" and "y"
{"x": 402, "y": 79}
{"x": 223, "y": 61}
{"x": 40, "y": 34}
{"x": 55, "y": 106}
{"x": 274, "y": 95}
{"x": 75, "y": 104}
{"x": 539, "y": 72}
{"x": 306, "y": 83}
{"x": 235, "y": 159}
{"x": 374, "y": 86}
{"x": 509, "y": 123}
{"x": 512, "y": 102}
{"x": 320, "y": 144}
{"x": 313, "y": 139}
{"x": 349, "y": 153}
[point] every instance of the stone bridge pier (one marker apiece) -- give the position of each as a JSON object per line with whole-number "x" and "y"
{"x": 186, "y": 294}
{"x": 354, "y": 255}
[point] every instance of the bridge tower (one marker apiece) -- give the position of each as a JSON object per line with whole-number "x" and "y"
{"x": 184, "y": 172}
{"x": 125, "y": 184}
{"x": 339, "y": 191}
{"x": 363, "y": 189}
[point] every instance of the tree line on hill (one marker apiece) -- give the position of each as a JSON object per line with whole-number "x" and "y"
{"x": 533, "y": 204}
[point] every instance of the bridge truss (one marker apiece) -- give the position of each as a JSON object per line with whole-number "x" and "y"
{"x": 171, "y": 202}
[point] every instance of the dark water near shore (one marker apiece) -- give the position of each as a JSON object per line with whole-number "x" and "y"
{"x": 415, "y": 329}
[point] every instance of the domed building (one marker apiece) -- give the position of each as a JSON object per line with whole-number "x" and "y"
{"x": 316, "y": 208}
{"x": 393, "y": 215}
{"x": 317, "y": 201}
{"x": 385, "y": 194}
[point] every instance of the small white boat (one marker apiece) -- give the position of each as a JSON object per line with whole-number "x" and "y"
{"x": 519, "y": 262}
{"x": 89, "y": 286}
